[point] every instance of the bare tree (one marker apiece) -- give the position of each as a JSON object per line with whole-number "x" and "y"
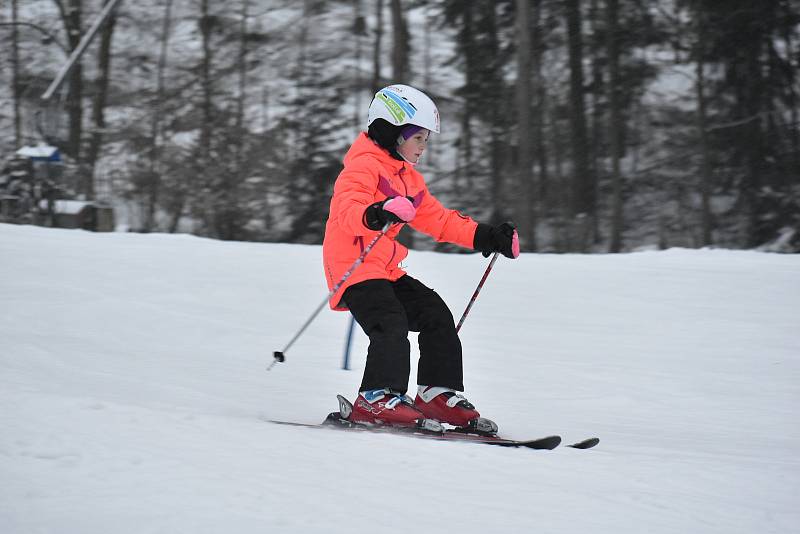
{"x": 205, "y": 205}
{"x": 598, "y": 54}
{"x": 615, "y": 122}
{"x": 427, "y": 78}
{"x": 359, "y": 29}
{"x": 206, "y": 22}
{"x": 539, "y": 109}
{"x": 400, "y": 45}
{"x": 241, "y": 66}
{"x": 524, "y": 212}
{"x": 581, "y": 191}
{"x": 227, "y": 211}
{"x": 71, "y": 17}
{"x": 99, "y": 102}
{"x": 702, "y": 125}
{"x": 470, "y": 74}
{"x": 241, "y": 98}
{"x": 793, "y": 57}
{"x": 154, "y": 170}
{"x": 376, "y": 49}
{"x": 15, "y": 85}
{"x": 401, "y": 74}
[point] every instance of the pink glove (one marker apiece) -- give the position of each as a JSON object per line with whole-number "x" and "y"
{"x": 400, "y": 207}
{"x": 515, "y": 245}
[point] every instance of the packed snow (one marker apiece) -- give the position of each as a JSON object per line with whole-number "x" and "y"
{"x": 134, "y": 395}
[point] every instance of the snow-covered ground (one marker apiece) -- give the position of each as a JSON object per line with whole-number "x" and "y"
{"x": 133, "y": 393}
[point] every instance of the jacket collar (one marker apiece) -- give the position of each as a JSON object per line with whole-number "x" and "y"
{"x": 363, "y": 145}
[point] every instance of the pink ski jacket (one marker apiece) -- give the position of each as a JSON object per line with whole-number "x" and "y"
{"x": 371, "y": 175}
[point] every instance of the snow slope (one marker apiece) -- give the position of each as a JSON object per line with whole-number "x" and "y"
{"x": 133, "y": 392}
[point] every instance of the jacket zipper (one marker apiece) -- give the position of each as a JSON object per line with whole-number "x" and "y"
{"x": 402, "y": 180}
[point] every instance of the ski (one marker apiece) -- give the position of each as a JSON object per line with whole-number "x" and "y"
{"x": 585, "y": 444}
{"x": 430, "y": 429}
{"x": 549, "y": 442}
{"x": 335, "y": 421}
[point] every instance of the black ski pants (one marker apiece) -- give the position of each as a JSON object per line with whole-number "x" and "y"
{"x": 387, "y": 311}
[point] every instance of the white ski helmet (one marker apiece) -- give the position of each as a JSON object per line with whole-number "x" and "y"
{"x": 402, "y": 104}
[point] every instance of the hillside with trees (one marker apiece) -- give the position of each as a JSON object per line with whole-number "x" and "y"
{"x": 597, "y": 125}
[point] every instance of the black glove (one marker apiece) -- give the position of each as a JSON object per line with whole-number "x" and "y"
{"x": 392, "y": 210}
{"x": 502, "y": 238}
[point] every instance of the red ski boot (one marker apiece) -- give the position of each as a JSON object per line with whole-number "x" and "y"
{"x": 448, "y": 406}
{"x": 385, "y": 407}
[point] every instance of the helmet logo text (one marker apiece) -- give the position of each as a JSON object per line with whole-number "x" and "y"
{"x": 398, "y": 107}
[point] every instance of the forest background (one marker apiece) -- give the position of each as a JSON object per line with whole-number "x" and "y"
{"x": 596, "y": 125}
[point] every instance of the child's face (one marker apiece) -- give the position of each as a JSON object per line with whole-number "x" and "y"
{"x": 414, "y": 146}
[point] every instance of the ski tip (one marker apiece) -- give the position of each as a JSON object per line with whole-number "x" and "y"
{"x": 585, "y": 444}
{"x": 548, "y": 443}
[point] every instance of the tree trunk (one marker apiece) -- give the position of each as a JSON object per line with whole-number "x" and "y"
{"x": 540, "y": 90}
{"x": 227, "y": 213}
{"x": 702, "y": 124}
{"x": 598, "y": 53}
{"x": 206, "y": 128}
{"x": 581, "y": 193}
{"x": 242, "y": 68}
{"x": 490, "y": 92}
{"x": 72, "y": 18}
{"x": 615, "y": 123}
{"x": 400, "y": 74}
{"x": 241, "y": 99}
{"x": 377, "y": 81}
{"x": 465, "y": 143}
{"x": 561, "y": 191}
{"x": 359, "y": 29}
{"x": 524, "y": 216}
{"x": 427, "y": 81}
{"x": 793, "y": 59}
{"x": 154, "y": 178}
{"x": 99, "y": 102}
{"x": 401, "y": 44}
{"x": 176, "y": 211}
{"x": 206, "y": 23}
{"x": 752, "y": 136}
{"x": 15, "y": 85}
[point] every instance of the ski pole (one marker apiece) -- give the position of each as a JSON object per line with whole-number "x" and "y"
{"x": 280, "y": 355}
{"x": 477, "y": 290}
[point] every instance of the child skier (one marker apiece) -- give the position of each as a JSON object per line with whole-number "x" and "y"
{"x": 380, "y": 185}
